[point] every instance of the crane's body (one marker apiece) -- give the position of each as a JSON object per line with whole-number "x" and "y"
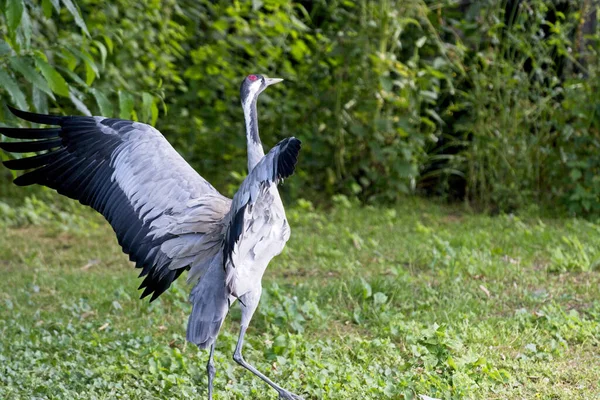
{"x": 263, "y": 240}
{"x": 165, "y": 215}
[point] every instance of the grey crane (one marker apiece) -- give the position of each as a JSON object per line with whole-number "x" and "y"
{"x": 165, "y": 215}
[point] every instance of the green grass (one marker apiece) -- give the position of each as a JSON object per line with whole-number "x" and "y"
{"x": 364, "y": 303}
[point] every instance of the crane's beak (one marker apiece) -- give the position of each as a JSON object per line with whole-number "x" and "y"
{"x": 272, "y": 81}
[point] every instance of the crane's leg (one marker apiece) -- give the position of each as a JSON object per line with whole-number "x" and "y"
{"x": 249, "y": 302}
{"x": 210, "y": 371}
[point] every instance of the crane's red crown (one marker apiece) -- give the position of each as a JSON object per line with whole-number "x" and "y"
{"x": 252, "y": 77}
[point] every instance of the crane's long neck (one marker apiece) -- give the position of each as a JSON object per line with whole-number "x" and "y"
{"x": 255, "y": 149}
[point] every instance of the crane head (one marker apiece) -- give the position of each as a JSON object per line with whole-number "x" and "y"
{"x": 253, "y": 85}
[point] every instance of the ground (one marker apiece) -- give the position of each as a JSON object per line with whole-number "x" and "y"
{"x": 364, "y": 303}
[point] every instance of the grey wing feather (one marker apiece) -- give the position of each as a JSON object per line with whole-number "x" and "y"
{"x": 166, "y": 216}
{"x": 277, "y": 165}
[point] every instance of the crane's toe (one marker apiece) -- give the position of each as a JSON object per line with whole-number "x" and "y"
{"x": 285, "y": 395}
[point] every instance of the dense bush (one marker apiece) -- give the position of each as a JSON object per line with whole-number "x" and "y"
{"x": 525, "y": 116}
{"x": 495, "y": 102}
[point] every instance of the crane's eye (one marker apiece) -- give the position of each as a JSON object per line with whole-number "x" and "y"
{"x": 252, "y": 77}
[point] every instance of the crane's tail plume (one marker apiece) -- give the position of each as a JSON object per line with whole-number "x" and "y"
{"x": 210, "y": 304}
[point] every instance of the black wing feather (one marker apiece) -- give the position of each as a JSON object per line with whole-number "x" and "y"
{"x": 287, "y": 157}
{"x": 23, "y": 133}
{"x": 38, "y": 145}
{"x": 32, "y": 162}
{"x": 236, "y": 227}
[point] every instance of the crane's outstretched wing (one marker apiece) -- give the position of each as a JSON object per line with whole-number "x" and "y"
{"x": 166, "y": 216}
{"x": 277, "y": 165}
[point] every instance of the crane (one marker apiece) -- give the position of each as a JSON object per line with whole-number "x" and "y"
{"x": 166, "y": 217}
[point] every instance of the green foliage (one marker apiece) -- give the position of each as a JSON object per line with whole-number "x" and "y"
{"x": 348, "y": 311}
{"x": 574, "y": 256}
{"x": 526, "y": 110}
{"x": 370, "y": 112}
{"x": 45, "y": 210}
{"x": 493, "y": 102}
{"x": 53, "y": 55}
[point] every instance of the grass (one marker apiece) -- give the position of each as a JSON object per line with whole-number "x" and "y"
{"x": 364, "y": 303}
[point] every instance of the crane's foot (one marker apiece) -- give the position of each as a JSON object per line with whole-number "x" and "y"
{"x": 285, "y": 395}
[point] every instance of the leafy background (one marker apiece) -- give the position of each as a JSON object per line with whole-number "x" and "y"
{"x": 492, "y": 102}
